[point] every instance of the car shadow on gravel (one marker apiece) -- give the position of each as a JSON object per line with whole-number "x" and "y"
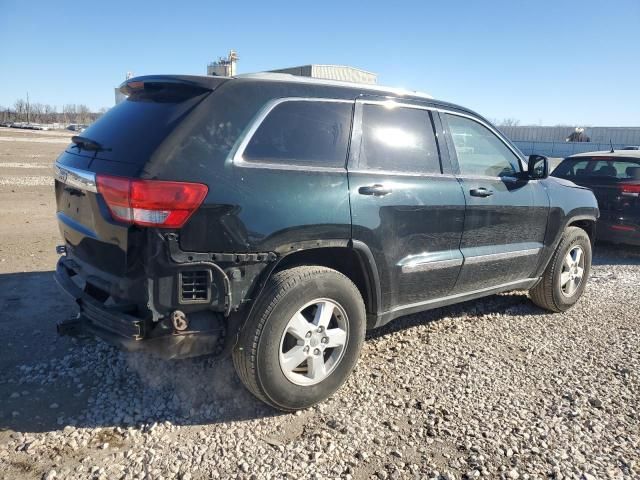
{"x": 48, "y": 382}
{"x": 612, "y": 254}
{"x": 511, "y": 303}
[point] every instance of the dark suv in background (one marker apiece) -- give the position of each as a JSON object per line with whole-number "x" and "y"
{"x": 614, "y": 177}
{"x": 276, "y": 218}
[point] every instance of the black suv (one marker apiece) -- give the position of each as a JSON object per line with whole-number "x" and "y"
{"x": 276, "y": 218}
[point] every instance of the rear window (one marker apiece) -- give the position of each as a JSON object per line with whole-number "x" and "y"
{"x": 132, "y": 130}
{"x": 314, "y": 133}
{"x": 598, "y": 167}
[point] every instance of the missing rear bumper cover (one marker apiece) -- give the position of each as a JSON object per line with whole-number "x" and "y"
{"x": 170, "y": 347}
{"x": 134, "y": 334}
{"x": 206, "y": 260}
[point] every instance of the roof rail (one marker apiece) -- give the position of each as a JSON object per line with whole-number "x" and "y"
{"x": 288, "y": 77}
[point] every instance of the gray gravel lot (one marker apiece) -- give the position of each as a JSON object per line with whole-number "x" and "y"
{"x": 492, "y": 388}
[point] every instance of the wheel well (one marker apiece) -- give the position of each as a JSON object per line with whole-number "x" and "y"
{"x": 343, "y": 259}
{"x": 588, "y": 226}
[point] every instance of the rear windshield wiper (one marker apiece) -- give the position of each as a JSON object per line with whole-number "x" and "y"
{"x": 84, "y": 143}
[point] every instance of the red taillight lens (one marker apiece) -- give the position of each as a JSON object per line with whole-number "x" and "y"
{"x": 115, "y": 191}
{"x": 630, "y": 189}
{"x": 135, "y": 85}
{"x": 151, "y": 203}
{"x": 623, "y": 228}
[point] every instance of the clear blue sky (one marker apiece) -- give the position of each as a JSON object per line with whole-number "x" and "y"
{"x": 544, "y": 61}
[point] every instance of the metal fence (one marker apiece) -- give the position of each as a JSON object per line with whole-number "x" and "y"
{"x": 562, "y": 149}
{"x": 617, "y": 135}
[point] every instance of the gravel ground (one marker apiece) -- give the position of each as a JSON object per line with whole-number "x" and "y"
{"x": 36, "y": 140}
{"x": 26, "y": 181}
{"x": 494, "y": 388}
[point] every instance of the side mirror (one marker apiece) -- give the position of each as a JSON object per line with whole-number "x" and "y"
{"x": 538, "y": 167}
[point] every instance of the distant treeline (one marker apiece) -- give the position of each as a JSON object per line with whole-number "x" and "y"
{"x": 22, "y": 111}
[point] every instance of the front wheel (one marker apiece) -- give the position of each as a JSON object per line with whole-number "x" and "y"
{"x": 565, "y": 278}
{"x": 302, "y": 339}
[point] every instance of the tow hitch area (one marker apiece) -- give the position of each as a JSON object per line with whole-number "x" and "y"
{"x": 181, "y": 335}
{"x": 70, "y": 327}
{"x": 175, "y": 345}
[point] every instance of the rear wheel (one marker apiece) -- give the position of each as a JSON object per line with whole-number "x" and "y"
{"x": 302, "y": 339}
{"x": 565, "y": 278}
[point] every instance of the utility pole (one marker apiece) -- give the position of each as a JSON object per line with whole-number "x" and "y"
{"x": 28, "y": 109}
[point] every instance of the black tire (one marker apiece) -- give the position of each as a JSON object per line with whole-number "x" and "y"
{"x": 256, "y": 355}
{"x": 548, "y": 292}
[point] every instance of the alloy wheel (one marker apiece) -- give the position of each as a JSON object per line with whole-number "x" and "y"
{"x": 572, "y": 271}
{"x": 313, "y": 342}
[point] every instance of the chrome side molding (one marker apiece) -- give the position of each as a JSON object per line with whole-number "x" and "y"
{"x": 425, "y": 263}
{"x": 492, "y": 257}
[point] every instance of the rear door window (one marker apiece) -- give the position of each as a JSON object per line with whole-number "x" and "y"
{"x": 398, "y": 139}
{"x": 299, "y": 132}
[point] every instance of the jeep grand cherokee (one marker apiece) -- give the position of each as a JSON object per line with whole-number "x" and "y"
{"x": 276, "y": 218}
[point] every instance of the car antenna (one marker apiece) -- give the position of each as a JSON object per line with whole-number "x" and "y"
{"x": 611, "y": 143}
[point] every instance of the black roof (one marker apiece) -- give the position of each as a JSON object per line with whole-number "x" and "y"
{"x": 325, "y": 86}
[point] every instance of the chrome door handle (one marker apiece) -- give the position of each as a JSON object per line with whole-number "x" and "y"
{"x": 481, "y": 192}
{"x": 377, "y": 189}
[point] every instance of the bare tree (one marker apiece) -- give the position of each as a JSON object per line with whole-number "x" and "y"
{"x": 37, "y": 109}
{"x": 46, "y": 113}
{"x": 509, "y": 122}
{"x": 21, "y": 109}
{"x": 84, "y": 114}
{"x": 69, "y": 113}
{"x": 50, "y": 113}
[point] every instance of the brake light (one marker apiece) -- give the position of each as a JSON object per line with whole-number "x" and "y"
{"x": 135, "y": 85}
{"x": 623, "y": 228}
{"x": 151, "y": 203}
{"x": 630, "y": 189}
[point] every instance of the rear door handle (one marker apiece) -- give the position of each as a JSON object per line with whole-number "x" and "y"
{"x": 481, "y": 192}
{"x": 378, "y": 190}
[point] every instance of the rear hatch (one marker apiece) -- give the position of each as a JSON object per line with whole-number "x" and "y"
{"x": 119, "y": 146}
{"x": 615, "y": 181}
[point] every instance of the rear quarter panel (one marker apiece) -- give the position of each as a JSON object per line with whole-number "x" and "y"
{"x": 250, "y": 208}
{"x": 271, "y": 210}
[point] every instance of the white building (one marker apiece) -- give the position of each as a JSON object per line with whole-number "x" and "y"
{"x": 342, "y": 73}
{"x": 118, "y": 94}
{"x": 224, "y": 67}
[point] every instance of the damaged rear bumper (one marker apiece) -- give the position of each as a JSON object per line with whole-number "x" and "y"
{"x": 118, "y": 325}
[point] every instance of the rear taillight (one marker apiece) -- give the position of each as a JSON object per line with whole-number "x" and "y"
{"x": 150, "y": 203}
{"x": 630, "y": 189}
{"x": 623, "y": 228}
